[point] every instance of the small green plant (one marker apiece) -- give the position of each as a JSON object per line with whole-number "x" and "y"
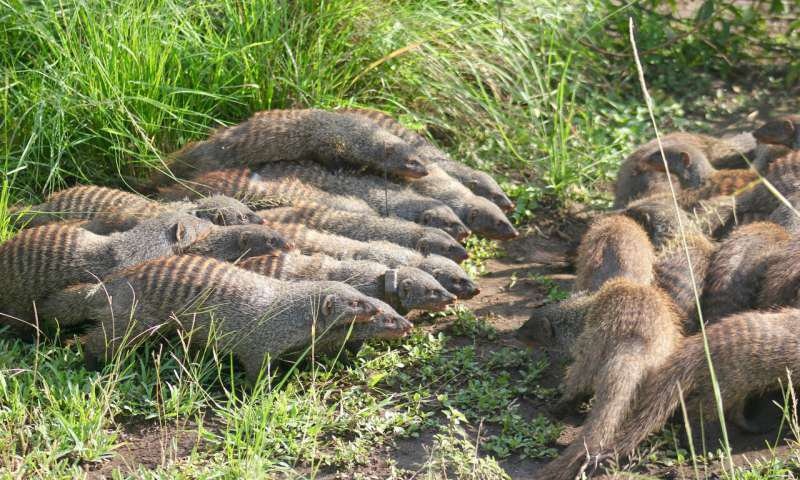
{"x": 480, "y": 250}
{"x": 554, "y": 291}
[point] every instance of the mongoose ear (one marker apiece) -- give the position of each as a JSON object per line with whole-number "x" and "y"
{"x": 686, "y": 159}
{"x": 180, "y": 233}
{"x": 406, "y": 285}
{"x": 422, "y": 247}
{"x": 328, "y": 304}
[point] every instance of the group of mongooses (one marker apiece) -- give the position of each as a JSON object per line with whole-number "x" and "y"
{"x": 295, "y": 229}
{"x": 722, "y": 250}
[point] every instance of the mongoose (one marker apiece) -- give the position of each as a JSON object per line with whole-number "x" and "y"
{"x": 87, "y": 202}
{"x": 751, "y": 351}
{"x": 291, "y": 135}
{"x": 404, "y": 288}
{"x": 787, "y": 216}
{"x": 480, "y": 183}
{"x": 783, "y": 176}
{"x": 614, "y": 246}
{"x": 257, "y": 191}
{"x": 657, "y": 215}
{"x": 780, "y": 282}
{"x": 306, "y": 181}
{"x": 783, "y": 131}
{"x": 369, "y": 227}
{"x": 445, "y": 271}
{"x": 672, "y": 275}
{"x": 738, "y": 268}
{"x": 254, "y": 317}
{"x": 557, "y": 324}
{"x": 239, "y": 242}
{"x": 630, "y": 330}
{"x": 478, "y": 214}
{"x": 44, "y": 259}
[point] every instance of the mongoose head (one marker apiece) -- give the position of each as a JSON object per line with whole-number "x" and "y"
{"x": 443, "y": 217}
{"x": 482, "y": 184}
{"x": 485, "y": 218}
{"x": 419, "y": 290}
{"x": 387, "y": 325}
{"x": 436, "y": 241}
{"x": 342, "y": 303}
{"x": 180, "y": 230}
{"x": 687, "y": 162}
{"x": 394, "y": 154}
{"x": 782, "y": 131}
{"x": 449, "y": 275}
{"x": 239, "y": 241}
{"x": 557, "y": 324}
{"x": 657, "y": 216}
{"x": 223, "y": 210}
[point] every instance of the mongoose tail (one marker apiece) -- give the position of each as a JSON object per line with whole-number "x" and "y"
{"x": 614, "y": 246}
{"x": 751, "y": 353}
{"x": 480, "y": 183}
{"x": 781, "y": 131}
{"x": 291, "y": 135}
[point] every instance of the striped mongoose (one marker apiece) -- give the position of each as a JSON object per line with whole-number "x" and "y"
{"x": 557, "y": 324}
{"x": 478, "y": 214}
{"x": 445, "y": 271}
{"x": 783, "y": 176}
{"x": 783, "y": 131}
{"x": 781, "y": 280}
{"x": 672, "y": 275}
{"x": 614, "y": 246}
{"x": 480, "y": 183}
{"x": 657, "y": 215}
{"x": 751, "y": 351}
{"x": 290, "y": 135}
{"x": 404, "y": 288}
{"x": 252, "y": 316}
{"x": 305, "y": 181}
{"x": 258, "y": 191}
{"x": 630, "y": 331}
{"x": 85, "y": 202}
{"x": 384, "y": 326}
{"x": 788, "y": 216}
{"x": 363, "y": 227}
{"x": 739, "y": 267}
{"x": 42, "y": 260}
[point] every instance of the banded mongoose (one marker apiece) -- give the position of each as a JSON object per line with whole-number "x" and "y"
{"x": 291, "y": 135}
{"x": 254, "y": 317}
{"x": 614, "y": 246}
{"x": 258, "y": 191}
{"x": 657, "y": 215}
{"x": 557, "y": 324}
{"x": 630, "y": 331}
{"x": 752, "y": 352}
{"x": 86, "y": 202}
{"x": 44, "y": 259}
{"x": 363, "y": 227}
{"x": 478, "y": 214}
{"x": 784, "y": 131}
{"x": 481, "y": 183}
{"x": 306, "y": 181}
{"x": 780, "y": 284}
{"x": 788, "y": 216}
{"x": 782, "y": 176}
{"x": 445, "y": 271}
{"x": 739, "y": 267}
{"x": 672, "y": 275}
{"x": 404, "y": 288}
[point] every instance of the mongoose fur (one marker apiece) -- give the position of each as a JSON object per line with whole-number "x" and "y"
{"x": 481, "y": 183}
{"x": 780, "y": 283}
{"x": 291, "y": 135}
{"x": 86, "y": 202}
{"x": 404, "y": 288}
{"x": 614, "y": 246}
{"x": 630, "y": 330}
{"x": 751, "y": 351}
{"x": 478, "y": 214}
{"x": 369, "y": 227}
{"x": 44, "y": 259}
{"x": 738, "y": 269}
{"x": 254, "y": 317}
{"x": 258, "y": 191}
{"x": 672, "y": 275}
{"x": 445, "y": 271}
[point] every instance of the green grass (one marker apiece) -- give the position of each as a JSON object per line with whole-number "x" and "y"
{"x": 538, "y": 92}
